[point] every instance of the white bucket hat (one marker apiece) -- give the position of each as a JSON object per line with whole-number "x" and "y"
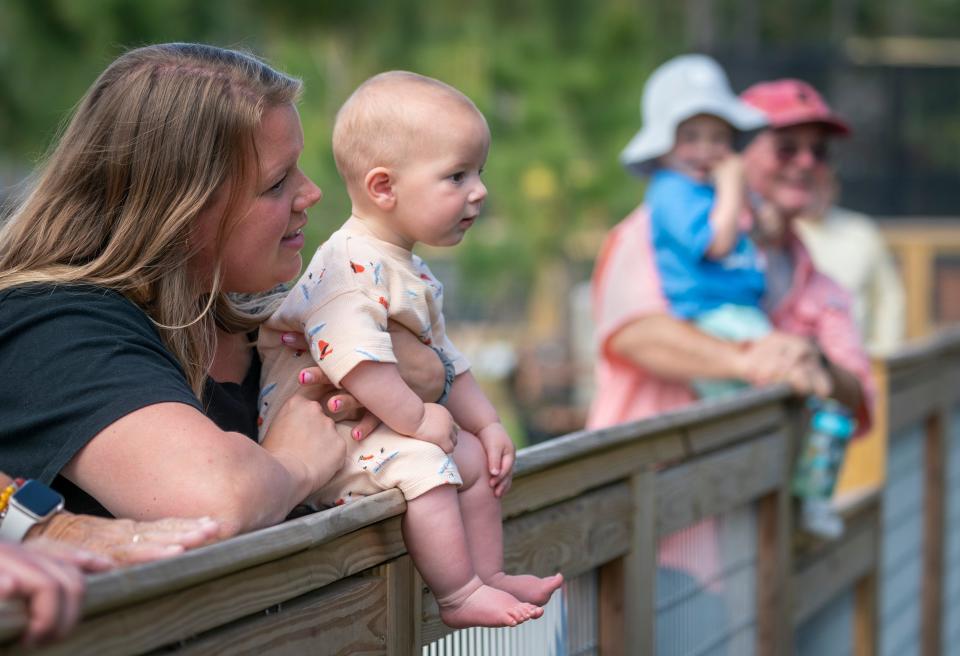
{"x": 680, "y": 89}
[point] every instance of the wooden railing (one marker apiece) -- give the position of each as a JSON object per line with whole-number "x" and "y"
{"x": 594, "y": 505}
{"x": 917, "y": 243}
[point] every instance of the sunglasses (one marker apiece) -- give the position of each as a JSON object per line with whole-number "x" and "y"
{"x": 787, "y": 149}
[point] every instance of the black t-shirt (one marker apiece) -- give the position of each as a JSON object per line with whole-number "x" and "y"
{"x": 74, "y": 359}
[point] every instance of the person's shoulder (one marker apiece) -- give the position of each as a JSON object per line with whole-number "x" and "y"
{"x": 51, "y": 296}
{"x": 854, "y": 226}
{"x": 73, "y": 307}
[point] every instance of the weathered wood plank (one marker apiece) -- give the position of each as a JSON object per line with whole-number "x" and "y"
{"x": 571, "y": 537}
{"x": 712, "y": 484}
{"x": 640, "y": 567}
{"x": 567, "y": 480}
{"x": 130, "y": 585}
{"x": 773, "y": 595}
{"x": 611, "y": 592}
{"x": 172, "y": 617}
{"x": 866, "y": 617}
{"x": 840, "y": 567}
{"x": 913, "y": 403}
{"x": 343, "y": 619}
{"x": 722, "y": 431}
{"x": 935, "y": 508}
{"x": 404, "y": 597}
{"x": 923, "y": 350}
{"x": 582, "y": 443}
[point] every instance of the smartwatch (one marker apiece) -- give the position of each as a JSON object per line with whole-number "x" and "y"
{"x": 33, "y": 503}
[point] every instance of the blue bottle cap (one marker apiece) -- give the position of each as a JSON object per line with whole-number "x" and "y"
{"x": 831, "y": 422}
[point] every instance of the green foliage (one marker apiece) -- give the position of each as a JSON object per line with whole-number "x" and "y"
{"x": 559, "y": 81}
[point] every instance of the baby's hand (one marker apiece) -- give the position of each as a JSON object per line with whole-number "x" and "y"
{"x": 437, "y": 427}
{"x": 500, "y": 456}
{"x": 728, "y": 173}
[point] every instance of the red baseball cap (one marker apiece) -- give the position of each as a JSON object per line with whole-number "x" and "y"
{"x": 790, "y": 102}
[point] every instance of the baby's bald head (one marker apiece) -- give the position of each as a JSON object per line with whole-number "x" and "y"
{"x": 385, "y": 119}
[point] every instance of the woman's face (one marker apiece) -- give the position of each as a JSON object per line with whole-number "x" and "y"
{"x": 263, "y": 244}
{"x": 784, "y": 165}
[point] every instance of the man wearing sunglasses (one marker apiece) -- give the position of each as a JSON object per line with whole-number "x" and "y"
{"x": 789, "y": 165}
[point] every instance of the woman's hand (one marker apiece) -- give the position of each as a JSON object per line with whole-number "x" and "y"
{"x": 420, "y": 366}
{"x": 51, "y": 587}
{"x": 124, "y": 541}
{"x": 304, "y": 439}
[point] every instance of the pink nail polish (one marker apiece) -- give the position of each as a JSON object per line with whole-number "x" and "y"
{"x": 357, "y": 434}
{"x": 287, "y": 338}
{"x": 336, "y": 405}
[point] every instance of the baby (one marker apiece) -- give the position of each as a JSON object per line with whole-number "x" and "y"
{"x": 410, "y": 150}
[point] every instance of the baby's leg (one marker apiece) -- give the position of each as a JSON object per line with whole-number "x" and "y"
{"x": 480, "y": 510}
{"x": 434, "y": 535}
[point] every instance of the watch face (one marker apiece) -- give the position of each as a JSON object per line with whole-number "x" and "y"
{"x": 38, "y": 498}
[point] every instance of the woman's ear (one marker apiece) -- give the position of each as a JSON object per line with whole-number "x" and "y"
{"x": 379, "y": 186}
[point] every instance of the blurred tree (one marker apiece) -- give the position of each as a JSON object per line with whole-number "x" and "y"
{"x": 559, "y": 82}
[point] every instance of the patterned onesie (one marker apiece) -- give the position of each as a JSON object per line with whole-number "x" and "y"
{"x": 354, "y": 283}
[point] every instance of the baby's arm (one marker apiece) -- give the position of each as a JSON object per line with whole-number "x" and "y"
{"x": 380, "y": 389}
{"x": 727, "y": 206}
{"x": 475, "y": 414}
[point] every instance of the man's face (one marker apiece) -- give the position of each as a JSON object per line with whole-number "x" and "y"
{"x": 782, "y": 165}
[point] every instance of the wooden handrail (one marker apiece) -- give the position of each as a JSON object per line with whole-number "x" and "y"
{"x": 629, "y": 484}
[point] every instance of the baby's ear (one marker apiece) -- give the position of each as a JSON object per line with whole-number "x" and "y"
{"x": 379, "y": 187}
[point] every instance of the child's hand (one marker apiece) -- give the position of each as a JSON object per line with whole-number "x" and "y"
{"x": 437, "y": 427}
{"x": 728, "y": 173}
{"x": 500, "y": 456}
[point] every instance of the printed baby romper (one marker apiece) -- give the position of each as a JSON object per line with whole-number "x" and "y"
{"x": 353, "y": 285}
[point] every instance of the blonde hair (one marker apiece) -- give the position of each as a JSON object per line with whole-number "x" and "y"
{"x": 382, "y": 119}
{"x": 161, "y": 130}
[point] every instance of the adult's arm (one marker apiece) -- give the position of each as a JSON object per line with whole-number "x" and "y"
{"x": 673, "y": 349}
{"x": 420, "y": 368}
{"x": 845, "y": 386}
{"x": 98, "y": 543}
{"x": 169, "y": 460}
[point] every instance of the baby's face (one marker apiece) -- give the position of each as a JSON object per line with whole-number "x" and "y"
{"x": 439, "y": 190}
{"x": 701, "y": 142}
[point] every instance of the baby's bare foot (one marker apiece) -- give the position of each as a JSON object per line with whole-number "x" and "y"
{"x": 477, "y": 604}
{"x": 532, "y": 589}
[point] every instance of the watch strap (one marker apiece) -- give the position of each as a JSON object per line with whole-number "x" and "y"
{"x": 16, "y": 523}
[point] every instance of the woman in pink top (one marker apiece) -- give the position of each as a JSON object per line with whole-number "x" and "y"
{"x": 647, "y": 357}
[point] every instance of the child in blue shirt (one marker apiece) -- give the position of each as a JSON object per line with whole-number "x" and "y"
{"x": 710, "y": 270}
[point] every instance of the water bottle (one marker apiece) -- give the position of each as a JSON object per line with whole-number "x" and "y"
{"x": 818, "y": 466}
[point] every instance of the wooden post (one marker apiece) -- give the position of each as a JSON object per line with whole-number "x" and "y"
{"x": 774, "y": 562}
{"x": 917, "y": 268}
{"x": 404, "y": 608}
{"x": 933, "y": 532}
{"x": 866, "y": 627}
{"x": 612, "y": 621}
{"x": 639, "y": 575}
